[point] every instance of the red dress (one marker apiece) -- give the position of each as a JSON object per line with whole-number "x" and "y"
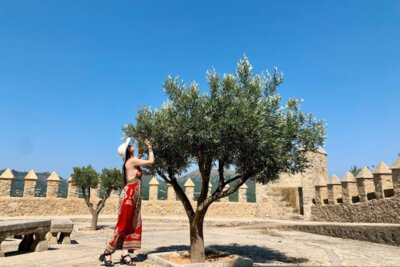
{"x": 128, "y": 230}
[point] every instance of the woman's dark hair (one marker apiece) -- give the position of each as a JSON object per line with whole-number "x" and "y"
{"x": 127, "y": 156}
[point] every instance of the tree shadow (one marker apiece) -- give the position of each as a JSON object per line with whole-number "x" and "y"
{"x": 255, "y": 253}
{"x": 22, "y": 252}
{"x": 143, "y": 256}
{"x": 98, "y": 227}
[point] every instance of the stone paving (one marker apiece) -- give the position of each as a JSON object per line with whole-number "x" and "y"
{"x": 244, "y": 237}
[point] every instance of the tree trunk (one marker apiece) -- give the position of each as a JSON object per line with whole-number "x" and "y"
{"x": 197, "y": 253}
{"x": 95, "y": 217}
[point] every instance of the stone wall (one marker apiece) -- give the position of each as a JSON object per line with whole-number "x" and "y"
{"x": 373, "y": 211}
{"x": 372, "y": 197}
{"x": 384, "y": 234}
{"x": 30, "y": 205}
{"x": 297, "y": 189}
{"x": 39, "y": 206}
{"x": 293, "y": 190}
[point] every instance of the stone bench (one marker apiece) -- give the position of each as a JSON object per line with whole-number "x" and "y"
{"x": 62, "y": 226}
{"x": 34, "y": 232}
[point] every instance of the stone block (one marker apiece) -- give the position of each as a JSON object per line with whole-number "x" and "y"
{"x": 62, "y": 228}
{"x": 28, "y": 228}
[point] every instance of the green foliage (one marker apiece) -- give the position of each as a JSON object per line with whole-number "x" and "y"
{"x": 85, "y": 177}
{"x": 240, "y": 123}
{"x": 112, "y": 178}
{"x": 354, "y": 170}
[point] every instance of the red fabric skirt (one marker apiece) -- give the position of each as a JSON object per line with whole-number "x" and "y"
{"x": 128, "y": 230}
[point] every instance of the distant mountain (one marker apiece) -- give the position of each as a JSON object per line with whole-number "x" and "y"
{"x": 214, "y": 178}
{"x": 40, "y": 190}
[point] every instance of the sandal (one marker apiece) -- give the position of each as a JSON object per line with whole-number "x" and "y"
{"x": 103, "y": 258}
{"x": 129, "y": 263}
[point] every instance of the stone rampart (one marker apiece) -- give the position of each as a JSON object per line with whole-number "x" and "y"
{"x": 295, "y": 196}
{"x": 371, "y": 197}
{"x": 378, "y": 233}
{"x": 297, "y": 189}
{"x": 40, "y": 206}
{"x": 74, "y": 205}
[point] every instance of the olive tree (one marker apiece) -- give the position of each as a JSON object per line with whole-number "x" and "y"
{"x": 86, "y": 178}
{"x": 240, "y": 123}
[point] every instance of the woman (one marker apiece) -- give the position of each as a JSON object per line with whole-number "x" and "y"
{"x": 127, "y": 234}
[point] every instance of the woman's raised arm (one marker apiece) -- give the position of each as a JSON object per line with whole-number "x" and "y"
{"x": 148, "y": 162}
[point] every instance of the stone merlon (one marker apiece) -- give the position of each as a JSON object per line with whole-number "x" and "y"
{"x": 31, "y": 175}
{"x": 349, "y": 178}
{"x": 53, "y": 177}
{"x": 153, "y": 181}
{"x": 396, "y": 164}
{"x": 364, "y": 173}
{"x": 189, "y": 183}
{"x": 382, "y": 168}
{"x": 334, "y": 180}
{"x": 7, "y": 174}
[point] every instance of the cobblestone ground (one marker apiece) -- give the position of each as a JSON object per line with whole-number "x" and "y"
{"x": 272, "y": 248}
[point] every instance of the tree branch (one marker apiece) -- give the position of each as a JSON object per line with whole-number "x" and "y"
{"x": 205, "y": 169}
{"x": 233, "y": 179}
{"x": 86, "y": 198}
{"x": 215, "y": 196}
{"x": 182, "y": 196}
{"x": 102, "y": 202}
{"x": 164, "y": 177}
{"x": 221, "y": 182}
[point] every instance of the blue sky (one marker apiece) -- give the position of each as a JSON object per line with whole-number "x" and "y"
{"x": 73, "y": 72}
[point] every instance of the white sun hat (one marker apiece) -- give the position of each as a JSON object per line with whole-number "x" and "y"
{"x": 122, "y": 147}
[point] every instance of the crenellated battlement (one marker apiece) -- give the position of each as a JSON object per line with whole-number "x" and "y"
{"x": 29, "y": 204}
{"x": 358, "y": 199}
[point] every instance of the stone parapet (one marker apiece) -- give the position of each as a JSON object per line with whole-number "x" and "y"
{"x": 242, "y": 197}
{"x": 334, "y": 190}
{"x": 171, "y": 193}
{"x": 396, "y": 176}
{"x": 6, "y": 181}
{"x": 374, "y": 211}
{"x": 30, "y": 184}
{"x": 153, "y": 189}
{"x": 321, "y": 191}
{"x": 41, "y": 206}
{"x": 365, "y": 184}
{"x": 72, "y": 189}
{"x": 189, "y": 189}
{"x": 349, "y": 188}
{"x": 382, "y": 177}
{"x": 52, "y": 185}
{"x": 388, "y": 234}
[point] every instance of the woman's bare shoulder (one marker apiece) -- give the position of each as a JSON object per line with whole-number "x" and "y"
{"x": 133, "y": 160}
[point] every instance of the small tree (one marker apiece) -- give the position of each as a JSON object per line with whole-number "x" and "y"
{"x": 240, "y": 123}
{"x": 86, "y": 178}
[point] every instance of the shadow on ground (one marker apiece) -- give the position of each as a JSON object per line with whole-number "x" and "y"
{"x": 255, "y": 253}
{"x": 258, "y": 254}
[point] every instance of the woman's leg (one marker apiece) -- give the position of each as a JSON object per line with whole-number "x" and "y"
{"x": 126, "y": 252}
{"x": 108, "y": 257}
